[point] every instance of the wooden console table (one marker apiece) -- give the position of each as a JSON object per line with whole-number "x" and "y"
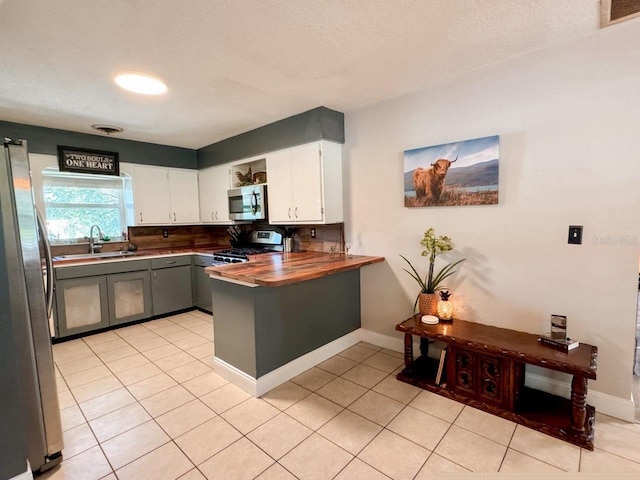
{"x": 484, "y": 368}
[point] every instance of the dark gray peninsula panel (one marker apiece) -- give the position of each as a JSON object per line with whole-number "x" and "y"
{"x": 259, "y": 329}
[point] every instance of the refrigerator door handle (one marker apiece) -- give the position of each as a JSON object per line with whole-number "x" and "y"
{"x": 42, "y": 232}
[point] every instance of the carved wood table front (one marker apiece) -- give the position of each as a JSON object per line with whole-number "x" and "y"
{"x": 485, "y": 368}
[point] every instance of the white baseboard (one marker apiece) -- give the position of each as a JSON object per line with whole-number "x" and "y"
{"x": 237, "y": 377}
{"x": 604, "y": 403}
{"x": 385, "y": 341}
{"x": 613, "y": 406}
{"x": 260, "y": 386}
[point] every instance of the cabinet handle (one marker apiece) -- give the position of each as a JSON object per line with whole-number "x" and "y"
{"x": 174, "y": 216}
{"x": 216, "y": 215}
{"x": 289, "y": 212}
{"x": 212, "y": 216}
{"x": 170, "y": 262}
{"x": 295, "y": 212}
{"x": 155, "y": 276}
{"x": 141, "y": 217}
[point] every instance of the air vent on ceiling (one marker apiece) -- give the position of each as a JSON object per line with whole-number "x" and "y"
{"x": 108, "y": 129}
{"x": 616, "y": 11}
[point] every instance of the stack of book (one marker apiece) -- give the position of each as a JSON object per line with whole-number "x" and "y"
{"x": 562, "y": 344}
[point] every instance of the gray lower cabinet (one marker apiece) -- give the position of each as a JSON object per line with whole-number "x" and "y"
{"x": 94, "y": 296}
{"x": 81, "y": 305}
{"x": 129, "y": 296}
{"x": 202, "y": 282}
{"x": 91, "y": 297}
{"x": 171, "y": 284}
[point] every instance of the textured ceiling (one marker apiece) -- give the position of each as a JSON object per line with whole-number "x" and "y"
{"x": 235, "y": 65}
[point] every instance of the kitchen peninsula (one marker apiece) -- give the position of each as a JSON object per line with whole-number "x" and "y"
{"x": 282, "y": 313}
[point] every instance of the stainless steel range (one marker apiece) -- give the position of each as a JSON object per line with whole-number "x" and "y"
{"x": 259, "y": 241}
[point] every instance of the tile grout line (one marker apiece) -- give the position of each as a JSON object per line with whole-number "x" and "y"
{"x": 171, "y": 439}
{"x": 508, "y": 447}
{"x": 384, "y": 427}
{"x": 87, "y": 422}
{"x": 99, "y": 444}
{"x": 369, "y": 389}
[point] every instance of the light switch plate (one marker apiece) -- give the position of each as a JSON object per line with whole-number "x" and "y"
{"x": 575, "y": 234}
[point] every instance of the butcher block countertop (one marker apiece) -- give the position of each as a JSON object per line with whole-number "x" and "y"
{"x": 278, "y": 269}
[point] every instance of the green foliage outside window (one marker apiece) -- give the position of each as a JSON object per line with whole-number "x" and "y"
{"x": 75, "y": 202}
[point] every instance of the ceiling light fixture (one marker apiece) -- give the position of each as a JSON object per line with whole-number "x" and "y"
{"x": 141, "y": 83}
{"x": 108, "y": 129}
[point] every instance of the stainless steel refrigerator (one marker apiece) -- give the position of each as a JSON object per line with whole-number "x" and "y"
{"x": 30, "y": 423}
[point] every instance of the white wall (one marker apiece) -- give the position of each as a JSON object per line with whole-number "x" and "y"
{"x": 569, "y": 126}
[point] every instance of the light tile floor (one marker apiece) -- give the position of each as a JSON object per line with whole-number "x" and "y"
{"x": 142, "y": 402}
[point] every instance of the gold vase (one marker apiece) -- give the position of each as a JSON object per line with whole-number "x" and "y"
{"x": 428, "y": 303}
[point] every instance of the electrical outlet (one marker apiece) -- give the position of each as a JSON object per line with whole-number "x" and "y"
{"x": 575, "y": 234}
{"x": 165, "y": 233}
{"x": 313, "y": 233}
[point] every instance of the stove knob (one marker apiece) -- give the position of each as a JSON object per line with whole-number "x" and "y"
{"x": 235, "y": 260}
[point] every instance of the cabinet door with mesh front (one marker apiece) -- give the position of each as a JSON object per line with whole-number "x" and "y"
{"x": 129, "y": 296}
{"x": 81, "y": 305}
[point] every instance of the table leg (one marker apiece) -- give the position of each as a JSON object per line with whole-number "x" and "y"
{"x": 408, "y": 350}
{"x": 578, "y": 403}
{"x": 424, "y": 347}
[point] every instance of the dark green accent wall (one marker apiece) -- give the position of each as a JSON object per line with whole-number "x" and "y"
{"x": 321, "y": 123}
{"x": 46, "y": 141}
{"x": 317, "y": 124}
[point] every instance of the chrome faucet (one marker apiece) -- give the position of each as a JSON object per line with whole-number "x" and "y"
{"x": 93, "y": 246}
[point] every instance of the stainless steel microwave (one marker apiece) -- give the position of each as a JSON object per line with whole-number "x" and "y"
{"x": 248, "y": 203}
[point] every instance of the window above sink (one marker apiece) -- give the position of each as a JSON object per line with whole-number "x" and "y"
{"x": 74, "y": 202}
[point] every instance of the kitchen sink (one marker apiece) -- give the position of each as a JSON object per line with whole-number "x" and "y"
{"x": 97, "y": 256}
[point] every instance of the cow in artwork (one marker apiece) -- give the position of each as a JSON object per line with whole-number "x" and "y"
{"x": 429, "y": 182}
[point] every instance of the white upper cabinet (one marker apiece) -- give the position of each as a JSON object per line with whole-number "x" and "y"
{"x": 151, "y": 195}
{"x": 305, "y": 184}
{"x": 183, "y": 195}
{"x": 213, "y": 184}
{"x": 279, "y": 189}
{"x": 164, "y": 196}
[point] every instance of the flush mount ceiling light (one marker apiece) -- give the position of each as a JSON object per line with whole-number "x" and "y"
{"x": 141, "y": 83}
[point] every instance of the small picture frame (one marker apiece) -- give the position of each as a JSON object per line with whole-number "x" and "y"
{"x": 559, "y": 327}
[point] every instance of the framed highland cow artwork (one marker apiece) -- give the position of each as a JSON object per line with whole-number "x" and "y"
{"x": 460, "y": 173}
